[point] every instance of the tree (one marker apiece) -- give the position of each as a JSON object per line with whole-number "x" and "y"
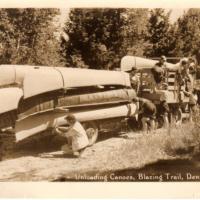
{"x": 160, "y": 34}
{"x": 27, "y": 37}
{"x": 98, "y": 38}
{"x": 188, "y": 34}
{"x": 94, "y": 37}
{"x": 7, "y": 41}
{"x": 135, "y": 31}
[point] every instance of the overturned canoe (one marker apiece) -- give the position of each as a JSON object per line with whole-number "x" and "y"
{"x": 129, "y": 62}
{"x": 37, "y": 123}
{"x": 35, "y": 94}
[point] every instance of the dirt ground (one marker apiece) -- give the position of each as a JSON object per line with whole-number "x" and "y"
{"x": 103, "y": 156}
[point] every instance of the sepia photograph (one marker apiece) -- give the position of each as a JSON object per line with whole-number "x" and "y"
{"x": 99, "y": 94}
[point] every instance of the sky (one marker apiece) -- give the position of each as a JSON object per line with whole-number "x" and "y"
{"x": 175, "y": 14}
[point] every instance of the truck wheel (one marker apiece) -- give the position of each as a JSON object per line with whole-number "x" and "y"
{"x": 92, "y": 132}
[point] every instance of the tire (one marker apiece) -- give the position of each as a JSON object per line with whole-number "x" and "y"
{"x": 92, "y": 132}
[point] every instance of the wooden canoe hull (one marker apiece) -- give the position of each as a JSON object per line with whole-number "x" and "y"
{"x": 37, "y": 123}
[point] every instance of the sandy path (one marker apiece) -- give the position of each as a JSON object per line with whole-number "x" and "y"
{"x": 104, "y": 155}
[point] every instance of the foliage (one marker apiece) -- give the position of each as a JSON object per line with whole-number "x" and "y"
{"x": 27, "y": 37}
{"x": 93, "y": 36}
{"x": 6, "y": 37}
{"x": 100, "y": 37}
{"x": 184, "y": 140}
{"x": 160, "y": 34}
{"x": 135, "y": 31}
{"x": 187, "y": 36}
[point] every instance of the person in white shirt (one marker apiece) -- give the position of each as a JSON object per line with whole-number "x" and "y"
{"x": 184, "y": 78}
{"x": 76, "y": 136}
{"x": 193, "y": 98}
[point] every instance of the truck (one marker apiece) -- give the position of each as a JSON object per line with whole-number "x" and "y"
{"x": 35, "y": 99}
{"x": 171, "y": 91}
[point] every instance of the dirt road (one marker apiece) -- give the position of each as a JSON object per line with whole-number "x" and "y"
{"x": 103, "y": 156}
{"x": 133, "y": 150}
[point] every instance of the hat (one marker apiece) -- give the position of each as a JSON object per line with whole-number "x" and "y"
{"x": 191, "y": 59}
{"x": 184, "y": 61}
{"x": 163, "y": 58}
{"x": 136, "y": 99}
{"x": 70, "y": 117}
{"x": 134, "y": 68}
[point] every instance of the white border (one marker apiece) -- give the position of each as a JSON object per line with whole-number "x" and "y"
{"x": 100, "y": 3}
{"x": 99, "y": 190}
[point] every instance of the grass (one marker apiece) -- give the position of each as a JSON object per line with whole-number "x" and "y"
{"x": 113, "y": 154}
{"x": 174, "y": 143}
{"x": 137, "y": 150}
{"x": 183, "y": 141}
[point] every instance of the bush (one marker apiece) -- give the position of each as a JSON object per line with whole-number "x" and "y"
{"x": 182, "y": 140}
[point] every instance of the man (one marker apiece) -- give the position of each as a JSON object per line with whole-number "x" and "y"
{"x": 193, "y": 98}
{"x": 192, "y": 70}
{"x": 147, "y": 110}
{"x": 159, "y": 71}
{"x": 134, "y": 78}
{"x": 192, "y": 65}
{"x": 184, "y": 77}
{"x": 76, "y": 136}
{"x": 163, "y": 111}
{"x": 162, "y": 62}
{"x": 184, "y": 67}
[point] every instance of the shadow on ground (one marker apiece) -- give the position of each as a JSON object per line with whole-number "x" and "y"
{"x": 180, "y": 170}
{"x": 45, "y": 143}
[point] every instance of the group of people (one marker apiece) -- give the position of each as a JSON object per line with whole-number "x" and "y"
{"x": 148, "y": 113}
{"x": 185, "y": 82}
{"x": 77, "y": 138}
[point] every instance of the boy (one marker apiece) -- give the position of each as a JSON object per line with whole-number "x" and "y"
{"x": 192, "y": 103}
{"x": 147, "y": 109}
{"x": 134, "y": 78}
{"x": 76, "y": 136}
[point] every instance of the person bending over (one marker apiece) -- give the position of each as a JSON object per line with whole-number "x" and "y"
{"x": 147, "y": 110}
